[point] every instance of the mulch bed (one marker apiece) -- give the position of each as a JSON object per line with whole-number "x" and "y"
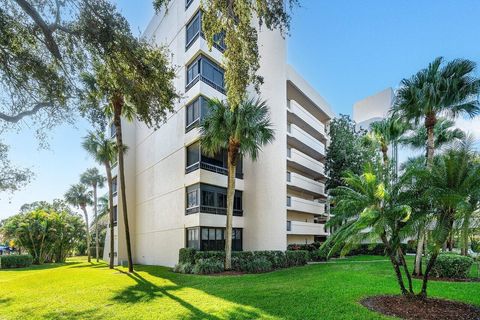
{"x": 449, "y": 279}
{"x": 428, "y": 309}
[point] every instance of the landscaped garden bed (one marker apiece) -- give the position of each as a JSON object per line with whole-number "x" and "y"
{"x": 425, "y": 309}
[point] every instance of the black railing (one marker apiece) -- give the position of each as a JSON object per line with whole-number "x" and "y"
{"x": 212, "y": 210}
{"x": 211, "y": 168}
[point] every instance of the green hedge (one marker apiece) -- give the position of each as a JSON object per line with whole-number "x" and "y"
{"x": 15, "y": 261}
{"x": 451, "y": 265}
{"x": 242, "y": 261}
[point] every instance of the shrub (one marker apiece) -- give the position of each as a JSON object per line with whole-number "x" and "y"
{"x": 186, "y": 267}
{"x": 450, "y": 265}
{"x": 296, "y": 257}
{"x": 187, "y": 255}
{"x": 211, "y": 255}
{"x": 258, "y": 264}
{"x": 275, "y": 257}
{"x": 207, "y": 266}
{"x": 15, "y": 261}
{"x": 475, "y": 246}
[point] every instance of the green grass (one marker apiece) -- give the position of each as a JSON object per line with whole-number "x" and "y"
{"x": 327, "y": 291}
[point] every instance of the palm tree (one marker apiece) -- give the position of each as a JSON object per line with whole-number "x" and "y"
{"x": 450, "y": 183}
{"x": 369, "y": 208}
{"x": 79, "y": 197}
{"x": 444, "y": 131}
{"x": 242, "y": 132}
{"x": 104, "y": 151}
{"x": 93, "y": 178}
{"x": 448, "y": 90}
{"x": 386, "y": 132}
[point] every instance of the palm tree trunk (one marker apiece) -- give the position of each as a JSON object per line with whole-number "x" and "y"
{"x": 384, "y": 150}
{"x": 84, "y": 209}
{"x": 230, "y": 200}
{"x": 405, "y": 268}
{"x": 396, "y": 267}
{"x": 117, "y": 112}
{"x": 464, "y": 233}
{"x": 430, "y": 121}
{"x": 419, "y": 253}
{"x": 110, "y": 211}
{"x": 96, "y": 220}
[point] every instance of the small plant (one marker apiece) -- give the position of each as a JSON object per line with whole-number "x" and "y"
{"x": 15, "y": 261}
{"x": 296, "y": 257}
{"x": 449, "y": 265}
{"x": 183, "y": 268}
{"x": 207, "y": 266}
{"x": 257, "y": 265}
{"x": 187, "y": 255}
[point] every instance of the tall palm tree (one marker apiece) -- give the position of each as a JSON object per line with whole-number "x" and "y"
{"x": 93, "y": 178}
{"x": 79, "y": 197}
{"x": 448, "y": 90}
{"x": 242, "y": 132}
{"x": 386, "y": 132}
{"x": 104, "y": 151}
{"x": 444, "y": 131}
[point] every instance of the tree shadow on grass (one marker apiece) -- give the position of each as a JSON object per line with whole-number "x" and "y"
{"x": 145, "y": 291}
{"x": 91, "y": 314}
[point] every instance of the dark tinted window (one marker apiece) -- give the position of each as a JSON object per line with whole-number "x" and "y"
{"x": 193, "y": 29}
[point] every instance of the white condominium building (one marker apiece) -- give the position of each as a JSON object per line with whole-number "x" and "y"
{"x": 176, "y": 195}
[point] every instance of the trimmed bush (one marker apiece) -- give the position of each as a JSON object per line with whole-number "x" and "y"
{"x": 186, "y": 267}
{"x": 207, "y": 266}
{"x": 296, "y": 257}
{"x": 187, "y": 255}
{"x": 214, "y": 255}
{"x": 450, "y": 265}
{"x": 15, "y": 261}
{"x": 257, "y": 265}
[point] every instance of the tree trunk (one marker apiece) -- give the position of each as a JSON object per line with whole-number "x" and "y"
{"x": 419, "y": 253}
{"x": 117, "y": 113}
{"x": 110, "y": 212}
{"x": 384, "y": 150}
{"x": 405, "y": 268}
{"x": 84, "y": 209}
{"x": 430, "y": 121}
{"x": 430, "y": 264}
{"x": 232, "y": 168}
{"x": 464, "y": 234}
{"x": 393, "y": 260}
{"x": 96, "y": 220}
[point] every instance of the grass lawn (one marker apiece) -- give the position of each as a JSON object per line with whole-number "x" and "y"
{"x": 92, "y": 291}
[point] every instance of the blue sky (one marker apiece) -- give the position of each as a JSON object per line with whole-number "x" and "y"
{"x": 346, "y": 49}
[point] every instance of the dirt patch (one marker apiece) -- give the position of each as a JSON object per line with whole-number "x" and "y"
{"x": 427, "y": 309}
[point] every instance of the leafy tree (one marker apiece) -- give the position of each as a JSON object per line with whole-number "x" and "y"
{"x": 449, "y": 90}
{"x": 93, "y": 178}
{"x": 242, "y": 132}
{"x": 57, "y": 205}
{"x": 104, "y": 151}
{"x": 79, "y": 197}
{"x": 369, "y": 207}
{"x": 45, "y": 234}
{"x": 235, "y": 21}
{"x": 11, "y": 177}
{"x": 130, "y": 78}
{"x": 346, "y": 151}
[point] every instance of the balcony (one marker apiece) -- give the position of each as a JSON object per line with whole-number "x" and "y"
{"x": 305, "y": 206}
{"x": 300, "y": 161}
{"x": 306, "y": 228}
{"x": 301, "y": 183}
{"x": 298, "y": 115}
{"x": 302, "y": 141}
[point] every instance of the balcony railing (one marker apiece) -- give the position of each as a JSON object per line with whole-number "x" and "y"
{"x": 211, "y": 168}
{"x": 212, "y": 210}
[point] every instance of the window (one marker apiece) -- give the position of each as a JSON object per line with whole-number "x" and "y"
{"x": 193, "y": 238}
{"x": 195, "y": 111}
{"x": 207, "y": 71}
{"x": 289, "y": 177}
{"x": 193, "y": 154}
{"x": 213, "y": 238}
{"x": 115, "y": 215}
{"x": 193, "y": 29}
{"x": 188, "y": 3}
{"x": 289, "y": 201}
{"x": 114, "y": 185}
{"x": 112, "y": 130}
{"x": 211, "y": 199}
